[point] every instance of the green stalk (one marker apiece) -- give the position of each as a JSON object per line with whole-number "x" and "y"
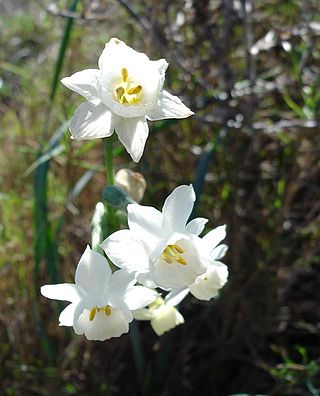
{"x": 113, "y": 225}
{"x": 138, "y": 354}
{"x": 45, "y": 239}
{"x": 108, "y": 158}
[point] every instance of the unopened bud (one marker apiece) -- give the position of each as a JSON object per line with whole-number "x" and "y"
{"x": 132, "y": 182}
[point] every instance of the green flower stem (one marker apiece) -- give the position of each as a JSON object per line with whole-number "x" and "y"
{"x": 108, "y": 158}
{"x": 113, "y": 225}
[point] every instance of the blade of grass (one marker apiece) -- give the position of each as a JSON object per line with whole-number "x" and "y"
{"x": 78, "y": 187}
{"x": 202, "y": 169}
{"x": 44, "y": 240}
{"x": 47, "y": 156}
{"x": 45, "y": 244}
{"x": 62, "y": 51}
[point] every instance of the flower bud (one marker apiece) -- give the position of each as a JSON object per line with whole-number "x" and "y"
{"x": 165, "y": 319}
{"x": 132, "y": 182}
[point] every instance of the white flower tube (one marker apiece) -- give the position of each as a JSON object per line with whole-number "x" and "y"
{"x": 101, "y": 302}
{"x": 125, "y": 92}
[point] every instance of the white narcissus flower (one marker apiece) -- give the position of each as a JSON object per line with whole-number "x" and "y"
{"x": 162, "y": 313}
{"x": 207, "y": 285}
{"x": 125, "y": 92}
{"x": 101, "y": 302}
{"x": 161, "y": 247}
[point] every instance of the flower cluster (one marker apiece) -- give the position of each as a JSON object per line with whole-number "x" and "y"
{"x": 161, "y": 257}
{"x": 159, "y": 250}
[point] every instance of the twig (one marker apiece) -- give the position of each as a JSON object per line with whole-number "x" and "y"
{"x": 175, "y": 57}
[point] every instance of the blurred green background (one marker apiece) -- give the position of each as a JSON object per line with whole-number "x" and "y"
{"x": 250, "y": 71}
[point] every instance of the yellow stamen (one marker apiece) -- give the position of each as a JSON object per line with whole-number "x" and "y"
{"x": 165, "y": 256}
{"x": 178, "y": 248}
{"x": 173, "y": 253}
{"x": 93, "y": 312}
{"x": 127, "y": 92}
{"x": 124, "y": 74}
{"x": 120, "y": 93}
{"x": 182, "y": 261}
{"x": 124, "y": 100}
{"x": 134, "y": 90}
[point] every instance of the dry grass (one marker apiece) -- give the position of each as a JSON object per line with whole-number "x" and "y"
{"x": 260, "y": 112}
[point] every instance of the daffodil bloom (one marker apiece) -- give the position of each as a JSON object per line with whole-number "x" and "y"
{"x": 207, "y": 285}
{"x": 161, "y": 247}
{"x": 101, "y": 302}
{"x": 125, "y": 92}
{"x": 162, "y": 313}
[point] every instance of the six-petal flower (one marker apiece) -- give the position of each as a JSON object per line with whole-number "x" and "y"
{"x": 125, "y": 92}
{"x": 161, "y": 247}
{"x": 101, "y": 302}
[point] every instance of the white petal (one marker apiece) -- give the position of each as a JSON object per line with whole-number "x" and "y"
{"x": 137, "y": 297}
{"x": 196, "y": 226}
{"x": 102, "y": 327}
{"x": 91, "y": 121}
{"x": 178, "y": 207}
{"x": 93, "y": 272}
{"x": 162, "y": 66}
{"x": 120, "y": 281}
{"x": 84, "y": 83}
{"x": 117, "y": 49}
{"x": 214, "y": 237}
{"x": 62, "y": 291}
{"x": 146, "y": 280}
{"x": 176, "y": 296}
{"x": 126, "y": 252}
{"x": 208, "y": 284}
{"x": 142, "y": 314}
{"x": 174, "y": 275}
{"x": 169, "y": 106}
{"x": 66, "y": 317}
{"x": 219, "y": 252}
{"x": 122, "y": 306}
{"x": 86, "y": 303}
{"x": 165, "y": 319}
{"x": 145, "y": 223}
{"x": 132, "y": 133}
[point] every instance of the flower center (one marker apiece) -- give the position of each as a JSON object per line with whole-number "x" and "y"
{"x": 94, "y": 310}
{"x": 173, "y": 253}
{"x": 127, "y": 92}
{"x": 156, "y": 303}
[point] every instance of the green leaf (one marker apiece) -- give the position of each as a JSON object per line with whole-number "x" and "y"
{"x": 117, "y": 197}
{"x": 78, "y": 187}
